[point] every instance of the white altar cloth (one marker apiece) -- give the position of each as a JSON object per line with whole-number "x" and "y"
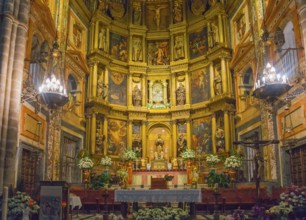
{"x": 158, "y": 195}
{"x": 75, "y": 201}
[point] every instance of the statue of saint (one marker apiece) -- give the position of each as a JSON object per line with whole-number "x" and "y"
{"x": 218, "y": 82}
{"x": 159, "y": 143}
{"x": 181, "y": 144}
{"x": 102, "y": 39}
{"x": 179, "y": 48}
{"x": 136, "y": 94}
{"x": 137, "y": 14}
{"x": 180, "y": 95}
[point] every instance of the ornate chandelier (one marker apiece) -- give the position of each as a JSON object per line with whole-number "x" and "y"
{"x": 52, "y": 91}
{"x": 271, "y": 84}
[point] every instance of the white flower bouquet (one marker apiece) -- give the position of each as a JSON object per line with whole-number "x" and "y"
{"x": 233, "y": 162}
{"x": 164, "y": 213}
{"x": 212, "y": 159}
{"x": 188, "y": 154}
{"x": 129, "y": 154}
{"x": 106, "y": 161}
{"x": 122, "y": 174}
{"x": 85, "y": 163}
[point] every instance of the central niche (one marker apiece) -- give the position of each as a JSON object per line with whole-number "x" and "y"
{"x": 158, "y": 94}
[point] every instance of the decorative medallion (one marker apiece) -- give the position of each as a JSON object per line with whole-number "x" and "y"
{"x": 117, "y": 9}
{"x": 198, "y": 7}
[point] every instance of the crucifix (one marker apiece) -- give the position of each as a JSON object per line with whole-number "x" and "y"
{"x": 256, "y": 144}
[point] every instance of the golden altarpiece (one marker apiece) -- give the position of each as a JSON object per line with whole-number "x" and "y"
{"x": 159, "y": 80}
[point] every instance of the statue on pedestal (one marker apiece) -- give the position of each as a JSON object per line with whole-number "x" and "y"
{"x": 159, "y": 143}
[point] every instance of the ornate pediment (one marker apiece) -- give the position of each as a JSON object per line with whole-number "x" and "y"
{"x": 77, "y": 61}
{"x": 243, "y": 51}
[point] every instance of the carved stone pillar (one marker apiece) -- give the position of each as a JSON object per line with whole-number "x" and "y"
{"x": 151, "y": 92}
{"x": 213, "y": 133}
{"x": 93, "y": 133}
{"x": 143, "y": 138}
{"x": 227, "y": 131}
{"x": 174, "y": 139}
{"x": 212, "y": 78}
{"x": 130, "y": 88}
{"x": 94, "y": 80}
{"x": 129, "y": 135}
{"x": 188, "y": 130}
{"x": 96, "y": 35}
{"x": 165, "y": 95}
{"x": 224, "y": 76}
{"x": 173, "y": 88}
{"x": 220, "y": 27}
{"x": 105, "y": 132}
{"x": 13, "y": 33}
{"x": 143, "y": 91}
{"x": 188, "y": 93}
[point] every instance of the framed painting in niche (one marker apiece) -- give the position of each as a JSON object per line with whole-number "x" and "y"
{"x": 117, "y": 136}
{"x": 117, "y": 88}
{"x": 119, "y": 47}
{"x": 200, "y": 87}
{"x": 198, "y": 43}
{"x": 158, "y": 52}
{"x": 201, "y": 135}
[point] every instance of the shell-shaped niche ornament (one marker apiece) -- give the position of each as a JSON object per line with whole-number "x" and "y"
{"x": 198, "y": 7}
{"x": 117, "y": 9}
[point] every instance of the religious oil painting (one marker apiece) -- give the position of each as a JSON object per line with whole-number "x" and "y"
{"x": 198, "y": 43}
{"x": 117, "y": 88}
{"x": 181, "y": 128}
{"x": 117, "y": 136}
{"x": 136, "y": 134}
{"x": 201, "y": 135}
{"x": 158, "y": 53}
{"x": 200, "y": 87}
{"x": 119, "y": 47}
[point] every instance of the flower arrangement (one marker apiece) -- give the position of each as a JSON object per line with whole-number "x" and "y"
{"x": 212, "y": 159}
{"x": 164, "y": 213}
{"x": 188, "y": 154}
{"x": 21, "y": 201}
{"x": 233, "y": 162}
{"x": 85, "y": 163}
{"x": 290, "y": 201}
{"x": 112, "y": 216}
{"x": 106, "y": 161}
{"x": 122, "y": 174}
{"x": 129, "y": 154}
{"x": 168, "y": 177}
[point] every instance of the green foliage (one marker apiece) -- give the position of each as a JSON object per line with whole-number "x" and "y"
{"x": 220, "y": 178}
{"x": 100, "y": 181}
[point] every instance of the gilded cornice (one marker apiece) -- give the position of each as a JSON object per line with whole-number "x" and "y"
{"x": 118, "y": 114}
{"x": 219, "y": 52}
{"x": 180, "y": 27}
{"x": 179, "y": 67}
{"x": 77, "y": 62}
{"x": 96, "y": 106}
{"x": 102, "y": 18}
{"x": 180, "y": 114}
{"x": 245, "y": 53}
{"x": 162, "y": 69}
{"x": 119, "y": 28}
{"x": 136, "y": 29}
{"x": 204, "y": 64}
{"x": 118, "y": 68}
{"x": 98, "y": 56}
{"x": 41, "y": 17}
{"x": 159, "y": 116}
{"x": 222, "y": 103}
{"x": 217, "y": 9}
{"x": 138, "y": 69}
{"x": 161, "y": 35}
{"x": 136, "y": 115}
{"x": 196, "y": 24}
{"x": 82, "y": 10}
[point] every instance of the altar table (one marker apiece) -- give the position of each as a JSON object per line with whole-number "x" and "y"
{"x": 75, "y": 201}
{"x": 157, "y": 196}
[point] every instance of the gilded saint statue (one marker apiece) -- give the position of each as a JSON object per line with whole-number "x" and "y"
{"x": 159, "y": 143}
